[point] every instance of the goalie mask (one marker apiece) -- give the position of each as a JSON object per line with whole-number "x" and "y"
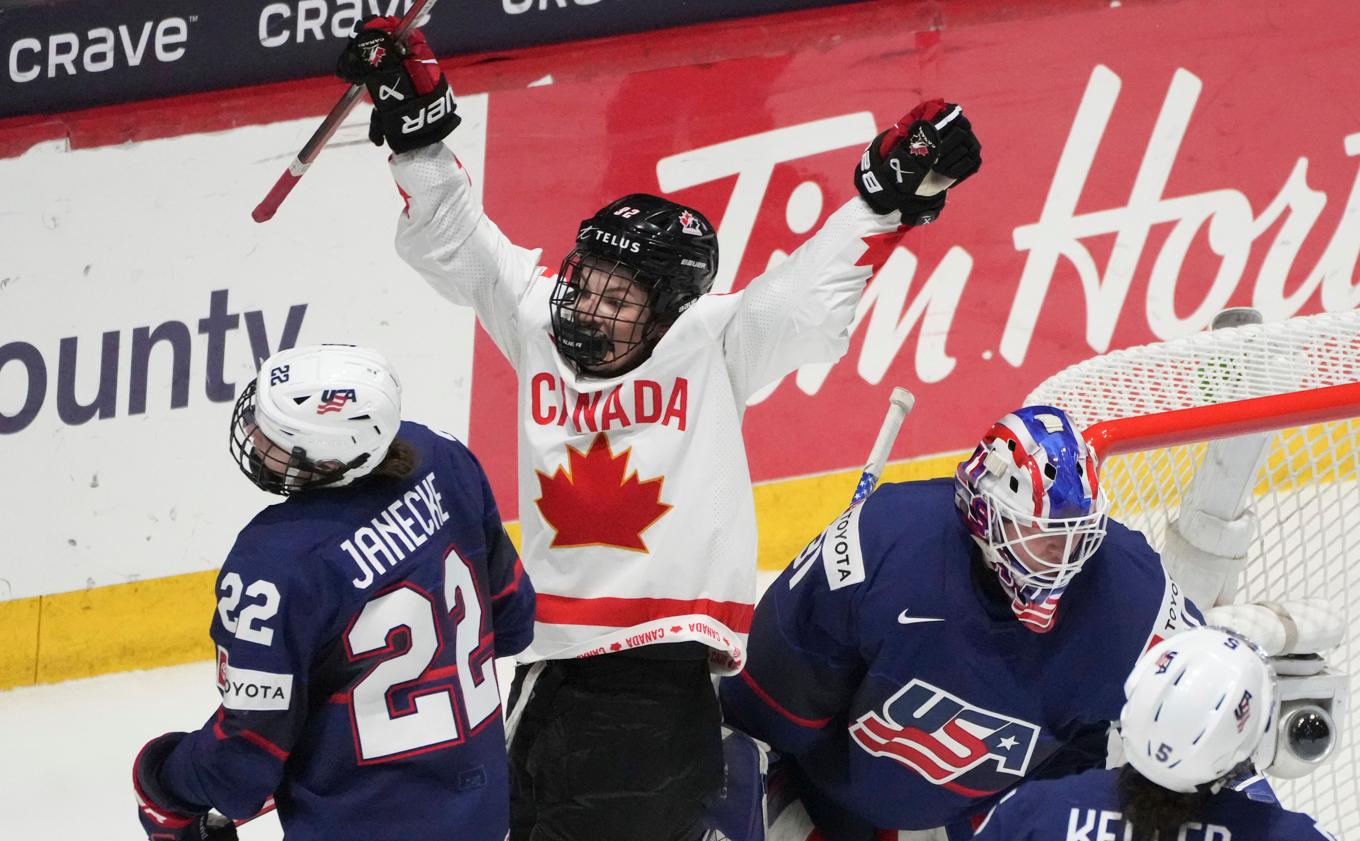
{"x": 1031, "y": 498}
{"x": 637, "y": 265}
{"x": 1198, "y": 705}
{"x": 316, "y": 416}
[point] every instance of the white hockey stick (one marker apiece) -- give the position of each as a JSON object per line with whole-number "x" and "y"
{"x": 899, "y": 406}
{"x": 264, "y": 211}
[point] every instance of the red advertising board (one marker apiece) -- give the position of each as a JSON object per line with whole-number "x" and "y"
{"x": 1145, "y": 167}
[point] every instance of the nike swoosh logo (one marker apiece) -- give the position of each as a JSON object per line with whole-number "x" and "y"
{"x": 904, "y": 619}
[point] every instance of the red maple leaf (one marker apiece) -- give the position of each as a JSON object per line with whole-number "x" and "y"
{"x": 596, "y": 502}
{"x": 878, "y": 248}
{"x": 615, "y": 647}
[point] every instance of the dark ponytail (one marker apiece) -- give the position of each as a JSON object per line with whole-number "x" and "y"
{"x": 1153, "y": 811}
{"x": 399, "y": 463}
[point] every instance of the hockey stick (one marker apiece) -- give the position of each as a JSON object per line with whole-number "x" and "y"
{"x": 264, "y": 211}
{"x": 899, "y": 406}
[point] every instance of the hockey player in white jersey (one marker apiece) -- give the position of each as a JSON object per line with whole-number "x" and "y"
{"x": 1199, "y": 707}
{"x": 635, "y": 499}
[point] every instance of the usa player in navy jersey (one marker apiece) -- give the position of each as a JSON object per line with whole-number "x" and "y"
{"x": 356, "y": 627}
{"x": 1198, "y": 707}
{"x": 946, "y": 639}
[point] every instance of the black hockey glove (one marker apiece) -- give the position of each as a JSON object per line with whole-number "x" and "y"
{"x": 911, "y": 165}
{"x": 412, "y": 103}
{"x": 164, "y": 817}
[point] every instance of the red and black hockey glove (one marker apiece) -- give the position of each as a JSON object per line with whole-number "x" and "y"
{"x": 412, "y": 103}
{"x": 910, "y": 166}
{"x": 164, "y": 817}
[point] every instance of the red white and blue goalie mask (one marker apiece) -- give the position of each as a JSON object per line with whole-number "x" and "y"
{"x": 1031, "y": 497}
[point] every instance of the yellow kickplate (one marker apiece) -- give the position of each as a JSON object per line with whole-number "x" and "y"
{"x": 164, "y": 621}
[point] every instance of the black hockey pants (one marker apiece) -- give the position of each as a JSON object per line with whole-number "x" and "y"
{"x": 616, "y": 747}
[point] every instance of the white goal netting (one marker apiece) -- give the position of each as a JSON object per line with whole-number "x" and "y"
{"x": 1300, "y": 483}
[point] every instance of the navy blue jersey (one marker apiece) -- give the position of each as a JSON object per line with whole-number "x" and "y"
{"x": 1086, "y": 807}
{"x": 907, "y": 694}
{"x": 356, "y": 631}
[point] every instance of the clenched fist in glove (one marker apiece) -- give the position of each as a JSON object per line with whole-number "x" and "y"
{"x": 162, "y": 816}
{"x": 911, "y": 165}
{"x": 412, "y": 103}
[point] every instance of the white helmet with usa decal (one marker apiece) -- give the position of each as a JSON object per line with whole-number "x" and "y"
{"x": 315, "y": 416}
{"x": 1198, "y": 705}
{"x": 1030, "y": 495}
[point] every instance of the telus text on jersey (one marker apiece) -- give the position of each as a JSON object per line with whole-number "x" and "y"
{"x": 401, "y": 528}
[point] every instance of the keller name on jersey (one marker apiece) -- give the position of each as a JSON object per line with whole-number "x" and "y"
{"x": 947, "y": 740}
{"x": 1105, "y": 825}
{"x": 402, "y": 527}
{"x": 626, "y": 404}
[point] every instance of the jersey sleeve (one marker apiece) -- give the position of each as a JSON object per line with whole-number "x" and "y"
{"x": 1012, "y": 818}
{"x": 269, "y": 622}
{"x": 800, "y": 310}
{"x": 804, "y": 662}
{"x": 512, "y": 593}
{"x": 444, "y": 234}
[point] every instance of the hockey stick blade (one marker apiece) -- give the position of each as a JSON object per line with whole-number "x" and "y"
{"x": 899, "y": 406}
{"x": 265, "y": 210}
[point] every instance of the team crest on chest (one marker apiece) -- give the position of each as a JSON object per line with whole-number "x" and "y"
{"x": 948, "y": 741}
{"x": 595, "y": 501}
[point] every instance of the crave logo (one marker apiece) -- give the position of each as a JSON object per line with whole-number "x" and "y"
{"x": 948, "y": 741}
{"x": 519, "y": 7}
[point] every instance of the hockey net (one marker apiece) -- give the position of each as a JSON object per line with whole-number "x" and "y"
{"x": 1299, "y": 482}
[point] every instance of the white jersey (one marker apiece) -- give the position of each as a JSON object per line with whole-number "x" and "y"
{"x": 634, "y": 492}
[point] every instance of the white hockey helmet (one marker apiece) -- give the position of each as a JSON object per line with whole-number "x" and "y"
{"x": 1198, "y": 705}
{"x": 322, "y": 415}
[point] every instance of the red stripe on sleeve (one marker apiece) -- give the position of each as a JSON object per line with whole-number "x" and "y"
{"x": 816, "y": 724}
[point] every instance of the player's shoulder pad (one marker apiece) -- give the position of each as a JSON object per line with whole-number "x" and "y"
{"x": 1127, "y": 576}
{"x": 894, "y": 518}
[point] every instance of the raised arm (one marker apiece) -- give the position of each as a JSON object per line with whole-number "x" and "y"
{"x": 443, "y": 232}
{"x": 800, "y": 311}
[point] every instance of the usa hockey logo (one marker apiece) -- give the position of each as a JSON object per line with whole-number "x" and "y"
{"x": 334, "y": 399}
{"x": 691, "y": 224}
{"x": 1242, "y": 712}
{"x": 944, "y": 738}
{"x": 1164, "y": 662}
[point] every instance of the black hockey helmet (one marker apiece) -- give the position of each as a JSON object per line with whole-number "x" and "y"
{"x": 669, "y": 250}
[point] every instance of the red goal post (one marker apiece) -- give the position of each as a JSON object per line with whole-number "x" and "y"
{"x": 1223, "y": 420}
{"x": 1244, "y": 441}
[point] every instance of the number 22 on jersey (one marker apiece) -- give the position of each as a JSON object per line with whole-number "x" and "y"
{"x": 429, "y": 719}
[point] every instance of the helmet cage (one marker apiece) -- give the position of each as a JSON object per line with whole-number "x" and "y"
{"x": 1042, "y": 553}
{"x": 670, "y": 251}
{"x": 594, "y": 321}
{"x": 271, "y": 467}
{"x": 1031, "y": 498}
